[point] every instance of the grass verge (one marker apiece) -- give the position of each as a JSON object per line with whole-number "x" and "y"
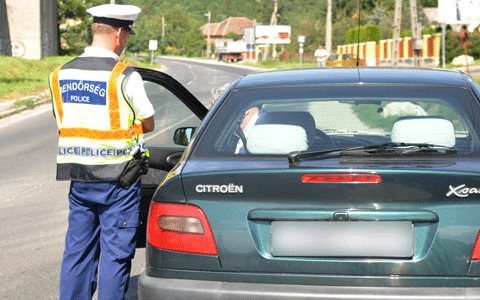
{"x": 20, "y": 78}
{"x": 23, "y": 77}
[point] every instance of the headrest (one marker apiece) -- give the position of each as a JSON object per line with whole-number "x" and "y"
{"x": 276, "y": 139}
{"x": 429, "y": 130}
{"x": 298, "y": 118}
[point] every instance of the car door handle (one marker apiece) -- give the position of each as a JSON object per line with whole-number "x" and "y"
{"x": 174, "y": 158}
{"x": 415, "y": 216}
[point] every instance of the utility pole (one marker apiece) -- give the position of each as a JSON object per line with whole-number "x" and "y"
{"x": 274, "y": 52}
{"x": 444, "y": 29}
{"x": 416, "y": 33}
{"x": 208, "y": 34}
{"x": 397, "y": 22}
{"x": 163, "y": 27}
{"x": 328, "y": 38}
{"x": 273, "y": 21}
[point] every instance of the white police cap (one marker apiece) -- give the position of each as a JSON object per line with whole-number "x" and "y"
{"x": 117, "y": 15}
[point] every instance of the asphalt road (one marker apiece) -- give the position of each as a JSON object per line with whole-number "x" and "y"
{"x": 34, "y": 206}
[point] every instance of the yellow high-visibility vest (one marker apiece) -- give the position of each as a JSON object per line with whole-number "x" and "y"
{"x": 97, "y": 126}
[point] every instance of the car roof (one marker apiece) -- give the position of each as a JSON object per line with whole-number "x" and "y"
{"x": 363, "y": 75}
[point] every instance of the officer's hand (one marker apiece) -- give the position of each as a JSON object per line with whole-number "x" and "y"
{"x": 148, "y": 124}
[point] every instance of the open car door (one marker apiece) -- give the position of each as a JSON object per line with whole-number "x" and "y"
{"x": 175, "y": 107}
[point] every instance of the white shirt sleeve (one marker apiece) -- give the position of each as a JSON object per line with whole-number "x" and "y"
{"x": 137, "y": 97}
{"x": 240, "y": 147}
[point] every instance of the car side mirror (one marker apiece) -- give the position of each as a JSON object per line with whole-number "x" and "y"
{"x": 183, "y": 135}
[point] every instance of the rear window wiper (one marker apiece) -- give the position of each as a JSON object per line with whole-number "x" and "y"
{"x": 297, "y": 156}
{"x": 379, "y": 149}
{"x": 399, "y": 148}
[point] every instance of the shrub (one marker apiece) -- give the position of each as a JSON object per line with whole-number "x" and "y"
{"x": 369, "y": 33}
{"x": 232, "y": 36}
{"x": 453, "y": 49}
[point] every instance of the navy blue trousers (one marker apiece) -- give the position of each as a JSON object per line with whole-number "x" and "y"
{"x": 100, "y": 240}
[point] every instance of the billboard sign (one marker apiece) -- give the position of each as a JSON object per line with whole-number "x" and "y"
{"x": 272, "y": 34}
{"x": 459, "y": 11}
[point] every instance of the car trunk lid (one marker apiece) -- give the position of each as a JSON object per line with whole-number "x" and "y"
{"x": 416, "y": 221}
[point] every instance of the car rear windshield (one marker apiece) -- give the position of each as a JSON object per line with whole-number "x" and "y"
{"x": 277, "y": 121}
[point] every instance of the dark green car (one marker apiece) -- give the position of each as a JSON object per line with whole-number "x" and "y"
{"x": 349, "y": 183}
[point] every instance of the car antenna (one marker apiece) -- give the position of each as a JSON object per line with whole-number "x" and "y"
{"x": 358, "y": 35}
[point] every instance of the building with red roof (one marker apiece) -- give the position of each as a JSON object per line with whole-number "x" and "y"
{"x": 236, "y": 25}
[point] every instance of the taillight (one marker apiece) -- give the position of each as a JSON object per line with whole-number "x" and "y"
{"x": 342, "y": 178}
{"x": 476, "y": 249}
{"x": 181, "y": 228}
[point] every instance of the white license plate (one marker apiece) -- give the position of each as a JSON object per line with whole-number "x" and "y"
{"x": 342, "y": 238}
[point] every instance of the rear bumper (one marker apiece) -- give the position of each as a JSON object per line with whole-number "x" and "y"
{"x": 150, "y": 288}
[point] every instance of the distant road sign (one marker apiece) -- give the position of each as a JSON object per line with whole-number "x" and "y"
{"x": 301, "y": 39}
{"x": 152, "y": 45}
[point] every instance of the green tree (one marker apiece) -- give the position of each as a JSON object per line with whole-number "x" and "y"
{"x": 75, "y": 33}
{"x": 148, "y": 26}
{"x": 352, "y": 36}
{"x": 453, "y": 48}
{"x": 194, "y": 42}
{"x": 373, "y": 33}
{"x": 429, "y": 3}
{"x": 369, "y": 33}
{"x": 389, "y": 7}
{"x": 144, "y": 32}
{"x": 232, "y": 36}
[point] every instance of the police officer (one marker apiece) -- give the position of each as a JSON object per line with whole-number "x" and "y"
{"x": 102, "y": 111}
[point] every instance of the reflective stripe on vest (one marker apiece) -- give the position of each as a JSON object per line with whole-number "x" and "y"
{"x": 89, "y": 150}
{"x": 55, "y": 86}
